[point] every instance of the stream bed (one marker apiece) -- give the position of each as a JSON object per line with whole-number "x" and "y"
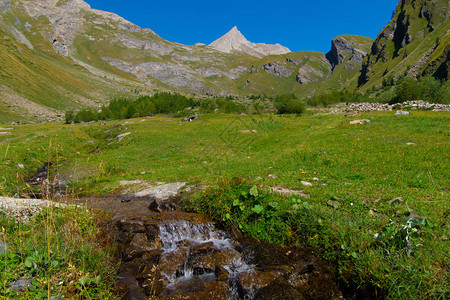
{"x": 177, "y": 255}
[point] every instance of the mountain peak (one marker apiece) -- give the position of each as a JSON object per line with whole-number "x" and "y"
{"x": 234, "y": 40}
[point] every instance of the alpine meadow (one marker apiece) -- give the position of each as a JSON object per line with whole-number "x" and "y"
{"x": 132, "y": 167}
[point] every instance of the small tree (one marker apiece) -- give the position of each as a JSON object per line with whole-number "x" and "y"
{"x": 289, "y": 104}
{"x": 70, "y": 115}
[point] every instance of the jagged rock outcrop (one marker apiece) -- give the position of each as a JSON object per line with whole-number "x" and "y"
{"x": 307, "y": 74}
{"x": 277, "y": 69}
{"x": 234, "y": 41}
{"x": 343, "y": 48}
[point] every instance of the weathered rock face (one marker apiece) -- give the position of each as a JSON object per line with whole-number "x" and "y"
{"x": 307, "y": 74}
{"x": 277, "y": 69}
{"x": 342, "y": 49}
{"x": 5, "y": 5}
{"x": 234, "y": 40}
{"x": 67, "y": 19}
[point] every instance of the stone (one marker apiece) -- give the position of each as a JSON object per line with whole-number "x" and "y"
{"x": 161, "y": 192}
{"x": 363, "y": 121}
{"x": 157, "y": 206}
{"x": 253, "y": 280}
{"x": 395, "y": 201}
{"x": 207, "y": 246}
{"x": 351, "y": 114}
{"x": 172, "y": 263}
{"x": 127, "y": 280}
{"x": 279, "y": 288}
{"x": 120, "y": 137}
{"x": 414, "y": 216}
{"x": 134, "y": 294}
{"x": 21, "y": 285}
{"x": 236, "y": 233}
{"x": 401, "y": 113}
{"x": 131, "y": 226}
{"x": 20, "y": 166}
{"x": 207, "y": 261}
{"x": 273, "y": 176}
{"x": 248, "y": 131}
{"x": 131, "y": 182}
{"x": 372, "y": 212}
{"x": 288, "y": 191}
{"x": 306, "y": 183}
{"x": 197, "y": 289}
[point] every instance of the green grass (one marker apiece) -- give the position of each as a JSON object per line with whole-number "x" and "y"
{"x": 60, "y": 252}
{"x": 363, "y": 167}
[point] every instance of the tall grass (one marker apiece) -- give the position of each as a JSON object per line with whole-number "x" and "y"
{"x": 60, "y": 253}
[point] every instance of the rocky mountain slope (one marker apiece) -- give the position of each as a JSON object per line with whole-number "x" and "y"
{"x": 416, "y": 41}
{"x": 61, "y": 54}
{"x": 234, "y": 40}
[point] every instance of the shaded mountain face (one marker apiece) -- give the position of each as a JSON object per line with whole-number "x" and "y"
{"x": 61, "y": 54}
{"x": 417, "y": 40}
{"x": 234, "y": 40}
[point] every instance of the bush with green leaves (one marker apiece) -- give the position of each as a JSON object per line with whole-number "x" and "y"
{"x": 428, "y": 89}
{"x": 289, "y": 104}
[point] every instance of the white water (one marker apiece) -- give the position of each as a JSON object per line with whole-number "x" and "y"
{"x": 185, "y": 235}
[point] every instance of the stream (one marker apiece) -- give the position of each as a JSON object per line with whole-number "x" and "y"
{"x": 177, "y": 255}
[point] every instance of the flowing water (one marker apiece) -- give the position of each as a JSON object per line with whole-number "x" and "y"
{"x": 204, "y": 249}
{"x": 187, "y": 257}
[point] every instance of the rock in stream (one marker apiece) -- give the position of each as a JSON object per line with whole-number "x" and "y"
{"x": 183, "y": 256}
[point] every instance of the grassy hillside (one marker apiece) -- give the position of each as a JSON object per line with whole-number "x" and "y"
{"x": 415, "y": 41}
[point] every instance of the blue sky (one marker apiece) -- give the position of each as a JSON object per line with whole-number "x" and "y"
{"x": 297, "y": 24}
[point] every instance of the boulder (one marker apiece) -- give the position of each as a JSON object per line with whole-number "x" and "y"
{"x": 21, "y": 285}
{"x": 361, "y": 122}
{"x": 401, "y": 113}
{"x": 120, "y": 137}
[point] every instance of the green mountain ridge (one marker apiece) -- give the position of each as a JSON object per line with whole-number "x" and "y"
{"x": 58, "y": 55}
{"x": 416, "y": 41}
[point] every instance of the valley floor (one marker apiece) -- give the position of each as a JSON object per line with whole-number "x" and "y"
{"x": 377, "y": 188}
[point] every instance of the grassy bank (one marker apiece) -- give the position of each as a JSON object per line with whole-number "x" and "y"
{"x": 60, "y": 254}
{"x": 356, "y": 172}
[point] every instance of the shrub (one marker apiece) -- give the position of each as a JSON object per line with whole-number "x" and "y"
{"x": 289, "y": 104}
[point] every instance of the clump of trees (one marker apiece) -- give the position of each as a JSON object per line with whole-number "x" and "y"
{"x": 289, "y": 104}
{"x": 406, "y": 88}
{"x": 159, "y": 103}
